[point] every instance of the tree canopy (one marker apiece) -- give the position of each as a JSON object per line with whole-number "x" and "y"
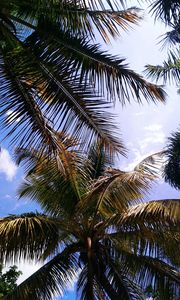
{"x": 8, "y": 280}
{"x": 55, "y": 77}
{"x": 95, "y": 228}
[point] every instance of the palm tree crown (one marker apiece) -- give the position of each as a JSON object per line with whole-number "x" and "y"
{"x": 55, "y": 77}
{"x": 94, "y": 229}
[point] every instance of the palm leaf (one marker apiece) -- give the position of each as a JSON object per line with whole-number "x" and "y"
{"x": 27, "y": 111}
{"x": 109, "y": 72}
{"x": 113, "y": 192}
{"x": 172, "y": 170}
{"x": 86, "y": 283}
{"x": 151, "y": 166}
{"x": 171, "y": 38}
{"x": 27, "y": 236}
{"x": 149, "y": 270}
{"x": 52, "y": 191}
{"x": 83, "y": 21}
{"x": 169, "y": 71}
{"x": 166, "y": 279}
{"x": 125, "y": 288}
{"x": 75, "y": 106}
{"x": 166, "y": 10}
{"x": 162, "y": 210}
{"x": 151, "y": 239}
{"x": 97, "y": 161}
{"x": 107, "y": 22}
{"x": 50, "y": 279}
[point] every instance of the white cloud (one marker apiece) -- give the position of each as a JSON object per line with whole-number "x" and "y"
{"x": 140, "y": 113}
{"x": 154, "y": 134}
{"x": 153, "y": 127}
{"x": 157, "y": 137}
{"x": 7, "y": 166}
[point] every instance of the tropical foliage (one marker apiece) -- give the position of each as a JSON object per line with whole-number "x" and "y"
{"x": 54, "y": 76}
{"x": 169, "y": 72}
{"x": 172, "y": 167}
{"x": 8, "y": 280}
{"x": 94, "y": 228}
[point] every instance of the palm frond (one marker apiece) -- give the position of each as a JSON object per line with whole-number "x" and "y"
{"x": 146, "y": 270}
{"x": 97, "y": 161}
{"x": 109, "y": 22}
{"x": 163, "y": 276}
{"x": 169, "y": 71}
{"x": 50, "y": 280}
{"x": 162, "y": 210}
{"x": 26, "y": 119}
{"x": 171, "y": 38}
{"x": 52, "y": 191}
{"x": 153, "y": 239}
{"x": 156, "y": 267}
{"x": 83, "y": 21}
{"x": 108, "y": 72}
{"x": 76, "y": 17}
{"x": 79, "y": 112}
{"x": 96, "y": 4}
{"x": 166, "y": 10}
{"x": 151, "y": 165}
{"x": 112, "y": 193}
{"x": 172, "y": 169}
{"x": 86, "y": 283}
{"x": 33, "y": 160}
{"x": 124, "y": 287}
{"x": 27, "y": 236}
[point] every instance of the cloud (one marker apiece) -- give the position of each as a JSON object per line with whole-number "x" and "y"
{"x": 154, "y": 134}
{"x": 153, "y": 127}
{"x": 7, "y": 166}
{"x": 140, "y": 113}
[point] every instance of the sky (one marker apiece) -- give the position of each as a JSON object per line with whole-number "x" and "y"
{"x": 144, "y": 128}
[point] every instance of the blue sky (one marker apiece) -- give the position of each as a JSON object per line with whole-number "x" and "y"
{"x": 144, "y": 128}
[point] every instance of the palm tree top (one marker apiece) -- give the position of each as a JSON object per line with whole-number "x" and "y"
{"x": 94, "y": 228}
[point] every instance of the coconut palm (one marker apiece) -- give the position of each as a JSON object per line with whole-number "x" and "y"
{"x": 54, "y": 76}
{"x": 169, "y": 72}
{"x": 95, "y": 229}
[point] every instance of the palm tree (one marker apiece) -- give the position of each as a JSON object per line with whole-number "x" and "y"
{"x": 94, "y": 229}
{"x": 168, "y": 12}
{"x": 55, "y": 77}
